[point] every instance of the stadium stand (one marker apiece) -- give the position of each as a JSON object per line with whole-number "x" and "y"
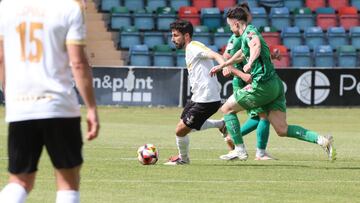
{"x": 259, "y": 17}
{"x": 221, "y": 36}
{"x": 165, "y": 16}
{"x": 120, "y": 17}
{"x": 176, "y": 4}
{"x": 271, "y": 35}
{"x": 202, "y": 4}
{"x": 354, "y": 35}
{"x": 337, "y": 37}
{"x": 140, "y": 55}
{"x": 293, "y": 4}
{"x": 301, "y": 57}
{"x": 163, "y": 56}
{"x": 314, "y": 36}
{"x": 202, "y": 34}
{"x": 291, "y": 37}
{"x": 151, "y": 39}
{"x": 144, "y": 19}
{"x": 324, "y": 56}
{"x": 284, "y": 61}
{"x": 222, "y": 4}
{"x": 347, "y": 56}
{"x": 348, "y": 17}
{"x": 337, "y": 4}
{"x": 134, "y": 5}
{"x": 303, "y": 18}
{"x": 280, "y": 17}
{"x": 129, "y": 36}
{"x": 326, "y": 17}
{"x": 152, "y": 5}
{"x": 190, "y": 13}
{"x": 314, "y": 4}
{"x": 211, "y": 17}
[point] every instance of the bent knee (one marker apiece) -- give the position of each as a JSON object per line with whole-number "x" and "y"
{"x": 282, "y": 132}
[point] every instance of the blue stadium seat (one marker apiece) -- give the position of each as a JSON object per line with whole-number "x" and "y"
{"x": 153, "y": 38}
{"x": 301, "y": 57}
{"x": 291, "y": 37}
{"x": 221, "y": 36}
{"x": 134, "y": 5}
{"x": 280, "y": 17}
{"x": 202, "y": 34}
{"x": 355, "y": 36}
{"x": 314, "y": 36}
{"x": 120, "y": 17}
{"x": 163, "y": 56}
{"x": 180, "y": 58}
{"x": 356, "y": 3}
{"x": 152, "y": 5}
{"x": 165, "y": 16}
{"x": 337, "y": 36}
{"x": 129, "y": 36}
{"x": 106, "y": 5}
{"x": 140, "y": 55}
{"x": 176, "y": 4}
{"x": 211, "y": 17}
{"x": 303, "y": 18}
{"x": 259, "y": 17}
{"x": 293, "y": 4}
{"x": 144, "y": 20}
{"x": 324, "y": 56}
{"x": 347, "y": 56}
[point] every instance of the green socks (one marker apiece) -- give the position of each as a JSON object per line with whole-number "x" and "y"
{"x": 233, "y": 127}
{"x": 250, "y": 125}
{"x": 262, "y": 134}
{"x": 301, "y": 133}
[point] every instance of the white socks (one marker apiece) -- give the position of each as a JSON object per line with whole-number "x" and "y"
{"x": 209, "y": 123}
{"x": 183, "y": 146}
{"x": 13, "y": 193}
{"x": 260, "y": 152}
{"x": 240, "y": 148}
{"x": 67, "y": 196}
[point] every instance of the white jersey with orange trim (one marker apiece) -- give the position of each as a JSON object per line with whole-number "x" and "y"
{"x": 35, "y": 33}
{"x": 204, "y": 88}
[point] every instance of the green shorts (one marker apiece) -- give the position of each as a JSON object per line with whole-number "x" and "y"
{"x": 238, "y": 84}
{"x": 268, "y": 95}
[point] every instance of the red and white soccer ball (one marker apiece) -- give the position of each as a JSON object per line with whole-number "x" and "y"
{"x": 148, "y": 154}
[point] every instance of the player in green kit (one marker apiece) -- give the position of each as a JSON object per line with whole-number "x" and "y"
{"x": 257, "y": 118}
{"x": 265, "y": 90}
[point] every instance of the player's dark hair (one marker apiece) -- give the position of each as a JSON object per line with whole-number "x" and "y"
{"x": 237, "y": 13}
{"x": 245, "y": 6}
{"x": 182, "y": 26}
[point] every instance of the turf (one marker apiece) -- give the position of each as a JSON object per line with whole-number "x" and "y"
{"x": 111, "y": 172}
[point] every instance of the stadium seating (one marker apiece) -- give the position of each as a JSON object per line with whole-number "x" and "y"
{"x": 119, "y": 17}
{"x": 176, "y": 4}
{"x": 324, "y": 56}
{"x": 293, "y": 4}
{"x": 165, "y": 16}
{"x": 202, "y": 34}
{"x": 270, "y": 35}
{"x": 199, "y": 4}
{"x": 180, "y": 58}
{"x": 251, "y": 3}
{"x": 301, "y": 57}
{"x": 348, "y": 17}
{"x": 354, "y": 35}
{"x": 347, "y": 56}
{"x": 163, "y": 56}
{"x": 356, "y": 4}
{"x": 168, "y": 40}
{"x": 337, "y": 37}
{"x": 144, "y": 20}
{"x": 222, "y": 4}
{"x": 314, "y": 36}
{"x": 211, "y": 17}
{"x": 337, "y": 4}
{"x": 325, "y": 17}
{"x": 152, "y": 5}
{"x": 259, "y": 17}
{"x": 314, "y": 4}
{"x": 190, "y": 13}
{"x": 134, "y": 5}
{"x": 129, "y": 36}
{"x": 106, "y": 5}
{"x": 280, "y": 17}
{"x": 140, "y": 55}
{"x": 221, "y": 36}
{"x": 291, "y": 37}
{"x": 303, "y": 18}
{"x": 153, "y": 38}
{"x": 284, "y": 56}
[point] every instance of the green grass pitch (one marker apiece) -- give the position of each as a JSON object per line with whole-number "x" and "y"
{"x": 111, "y": 172}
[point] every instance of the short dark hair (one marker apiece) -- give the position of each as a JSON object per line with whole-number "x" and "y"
{"x": 182, "y": 26}
{"x": 245, "y": 6}
{"x": 237, "y": 13}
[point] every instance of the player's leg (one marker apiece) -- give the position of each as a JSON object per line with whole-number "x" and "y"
{"x": 277, "y": 119}
{"x": 63, "y": 141}
{"x": 250, "y": 125}
{"x": 24, "y": 149}
{"x": 229, "y": 109}
{"x": 194, "y": 117}
{"x": 262, "y": 138}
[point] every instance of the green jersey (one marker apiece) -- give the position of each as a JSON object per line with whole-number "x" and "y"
{"x": 262, "y": 68}
{"x": 233, "y": 45}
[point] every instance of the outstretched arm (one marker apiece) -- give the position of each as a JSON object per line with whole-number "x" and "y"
{"x": 255, "y": 48}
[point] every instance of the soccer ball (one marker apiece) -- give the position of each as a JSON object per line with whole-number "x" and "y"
{"x": 148, "y": 154}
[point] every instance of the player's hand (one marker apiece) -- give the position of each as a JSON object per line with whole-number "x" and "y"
{"x": 226, "y": 72}
{"x": 93, "y": 125}
{"x": 215, "y": 69}
{"x": 247, "y": 68}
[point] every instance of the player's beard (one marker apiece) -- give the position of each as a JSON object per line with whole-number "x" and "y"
{"x": 180, "y": 45}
